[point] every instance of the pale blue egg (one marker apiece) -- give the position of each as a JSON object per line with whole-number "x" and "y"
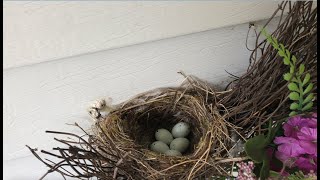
{"x": 181, "y": 129}
{"x": 159, "y": 146}
{"x": 164, "y": 136}
{"x": 180, "y": 144}
{"x": 172, "y": 152}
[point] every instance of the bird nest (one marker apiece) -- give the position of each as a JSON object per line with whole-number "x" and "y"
{"x": 119, "y": 144}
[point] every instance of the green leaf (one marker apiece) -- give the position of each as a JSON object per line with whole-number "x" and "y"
{"x": 293, "y": 113}
{"x": 286, "y": 60}
{"x": 269, "y": 40}
{"x": 274, "y": 39}
{"x": 288, "y": 53}
{"x": 306, "y": 79}
{"x": 294, "y": 59}
{"x": 308, "y": 89}
{"x": 265, "y": 169}
{"x": 301, "y": 69}
{"x": 287, "y": 76}
{"x": 293, "y": 87}
{"x": 282, "y": 47}
{"x": 255, "y": 148}
{"x": 281, "y": 53}
{"x": 294, "y": 106}
{"x": 272, "y": 132}
{"x": 275, "y": 43}
{"x": 294, "y": 96}
{"x": 298, "y": 175}
{"x": 274, "y": 174}
{"x": 264, "y": 31}
{"x": 292, "y": 69}
{"x": 308, "y": 98}
{"x": 257, "y": 169}
{"x": 307, "y": 107}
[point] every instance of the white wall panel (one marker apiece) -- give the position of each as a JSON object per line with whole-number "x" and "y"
{"x": 39, "y": 31}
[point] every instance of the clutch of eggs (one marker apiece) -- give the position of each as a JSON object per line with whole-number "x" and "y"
{"x": 174, "y": 143}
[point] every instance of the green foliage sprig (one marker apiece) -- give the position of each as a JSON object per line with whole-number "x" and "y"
{"x": 299, "y": 82}
{"x": 299, "y": 175}
{"x": 256, "y": 149}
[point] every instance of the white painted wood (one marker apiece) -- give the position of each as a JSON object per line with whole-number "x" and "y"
{"x": 45, "y": 96}
{"x": 39, "y": 31}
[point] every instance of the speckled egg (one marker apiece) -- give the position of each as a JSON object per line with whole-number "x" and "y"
{"x": 159, "y": 146}
{"x": 181, "y": 129}
{"x": 173, "y": 153}
{"x": 164, "y": 136}
{"x": 180, "y": 144}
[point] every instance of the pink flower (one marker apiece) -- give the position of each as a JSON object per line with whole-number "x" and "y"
{"x": 295, "y": 123}
{"x": 307, "y": 164}
{"x": 299, "y": 147}
{"x": 289, "y": 146}
{"x": 287, "y": 160}
{"x": 245, "y": 171}
{"x": 273, "y": 166}
{"x": 308, "y": 140}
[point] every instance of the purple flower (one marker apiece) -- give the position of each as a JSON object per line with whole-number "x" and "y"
{"x": 295, "y": 123}
{"x": 289, "y": 146}
{"x": 308, "y": 140}
{"x": 299, "y": 147}
{"x": 287, "y": 160}
{"x": 307, "y": 163}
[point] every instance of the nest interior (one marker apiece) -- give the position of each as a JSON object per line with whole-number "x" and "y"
{"x": 141, "y": 126}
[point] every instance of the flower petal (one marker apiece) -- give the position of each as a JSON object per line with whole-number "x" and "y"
{"x": 294, "y": 124}
{"x": 289, "y": 161}
{"x": 283, "y": 140}
{"x": 306, "y": 163}
{"x": 309, "y": 147}
{"x": 289, "y": 146}
{"x": 308, "y": 134}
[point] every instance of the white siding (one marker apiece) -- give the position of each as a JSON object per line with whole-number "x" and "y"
{"x": 39, "y": 31}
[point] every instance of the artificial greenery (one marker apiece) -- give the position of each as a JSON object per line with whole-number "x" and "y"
{"x": 299, "y": 81}
{"x": 296, "y": 176}
{"x": 256, "y": 149}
